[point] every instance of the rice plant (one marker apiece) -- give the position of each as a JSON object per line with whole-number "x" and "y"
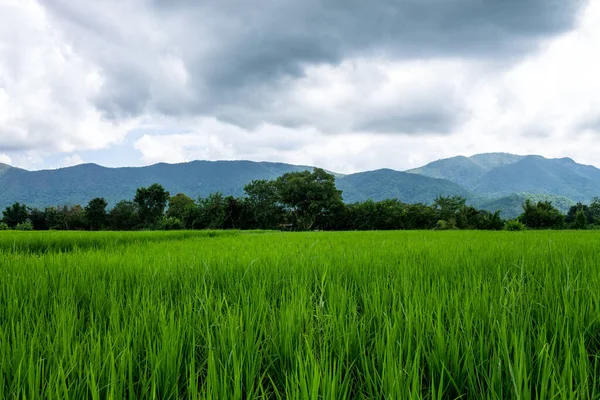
{"x": 321, "y": 315}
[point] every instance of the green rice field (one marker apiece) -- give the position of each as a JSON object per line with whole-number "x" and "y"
{"x": 319, "y": 315}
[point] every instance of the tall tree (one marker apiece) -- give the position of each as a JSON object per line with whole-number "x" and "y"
{"x": 180, "y": 206}
{"x": 124, "y": 216}
{"x": 151, "y": 202}
{"x": 311, "y": 198}
{"x": 263, "y": 201}
{"x": 16, "y": 214}
{"x": 95, "y": 213}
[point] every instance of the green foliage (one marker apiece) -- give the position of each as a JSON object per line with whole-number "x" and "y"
{"x": 230, "y": 315}
{"x": 580, "y": 221}
{"x": 310, "y": 197}
{"x": 4, "y": 226}
{"x": 151, "y": 202}
{"x": 443, "y": 225}
{"x": 15, "y": 215}
{"x": 24, "y": 226}
{"x": 171, "y": 224}
{"x": 180, "y": 206}
{"x": 514, "y": 225}
{"x": 542, "y": 215}
{"x": 95, "y": 213}
{"x": 124, "y": 216}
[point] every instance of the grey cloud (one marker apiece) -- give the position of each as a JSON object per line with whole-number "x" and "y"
{"x": 242, "y": 55}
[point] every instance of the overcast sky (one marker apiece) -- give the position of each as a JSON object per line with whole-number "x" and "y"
{"x": 348, "y": 85}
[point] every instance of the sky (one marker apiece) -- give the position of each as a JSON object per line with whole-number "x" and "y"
{"x": 347, "y": 85}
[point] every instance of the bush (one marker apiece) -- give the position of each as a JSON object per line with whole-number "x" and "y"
{"x": 514, "y": 226}
{"x": 443, "y": 225}
{"x": 171, "y": 224}
{"x": 4, "y": 226}
{"x": 25, "y": 226}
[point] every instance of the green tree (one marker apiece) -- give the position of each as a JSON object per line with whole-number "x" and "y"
{"x": 542, "y": 215}
{"x": 180, "y": 206}
{"x": 594, "y": 208}
{"x": 212, "y": 212}
{"x": 16, "y": 214}
{"x": 151, "y": 203}
{"x": 311, "y": 198}
{"x": 124, "y": 216}
{"x": 580, "y": 220}
{"x": 263, "y": 201}
{"x": 448, "y": 209}
{"x": 95, "y": 213}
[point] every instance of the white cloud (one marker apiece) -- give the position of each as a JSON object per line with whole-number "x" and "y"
{"x": 46, "y": 87}
{"x": 4, "y": 159}
{"x": 69, "y": 73}
{"x": 70, "y": 161}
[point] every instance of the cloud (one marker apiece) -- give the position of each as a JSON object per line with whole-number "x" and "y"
{"x": 46, "y": 88}
{"x": 348, "y": 85}
{"x": 4, "y": 159}
{"x": 70, "y": 161}
{"x": 235, "y": 60}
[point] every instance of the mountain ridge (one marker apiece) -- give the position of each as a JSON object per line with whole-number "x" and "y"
{"x": 489, "y": 180}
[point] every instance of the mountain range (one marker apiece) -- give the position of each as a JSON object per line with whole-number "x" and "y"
{"x": 492, "y": 181}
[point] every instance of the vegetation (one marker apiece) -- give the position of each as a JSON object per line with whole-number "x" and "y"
{"x": 488, "y": 181}
{"x": 296, "y": 200}
{"x": 232, "y": 315}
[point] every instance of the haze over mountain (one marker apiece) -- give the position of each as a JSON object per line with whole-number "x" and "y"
{"x": 490, "y": 181}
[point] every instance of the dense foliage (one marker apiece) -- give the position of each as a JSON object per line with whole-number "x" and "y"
{"x": 350, "y": 315}
{"x": 301, "y": 200}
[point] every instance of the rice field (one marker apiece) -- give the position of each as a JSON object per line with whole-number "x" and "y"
{"x": 320, "y": 315}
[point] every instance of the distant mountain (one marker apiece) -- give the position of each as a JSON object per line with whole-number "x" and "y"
{"x": 79, "y": 184}
{"x": 389, "y": 184}
{"x": 465, "y": 171}
{"x": 511, "y": 205}
{"x": 496, "y": 175}
{"x": 492, "y": 181}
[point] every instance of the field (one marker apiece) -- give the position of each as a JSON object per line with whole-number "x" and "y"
{"x": 232, "y": 315}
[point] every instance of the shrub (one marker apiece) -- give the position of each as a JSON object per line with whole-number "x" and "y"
{"x": 514, "y": 226}
{"x": 4, "y": 226}
{"x": 24, "y": 226}
{"x": 171, "y": 224}
{"x": 443, "y": 225}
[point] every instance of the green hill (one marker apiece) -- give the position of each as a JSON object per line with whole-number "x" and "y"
{"x": 79, "y": 184}
{"x": 496, "y": 175}
{"x": 389, "y": 184}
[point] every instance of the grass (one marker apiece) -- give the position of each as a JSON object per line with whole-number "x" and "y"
{"x": 394, "y": 315}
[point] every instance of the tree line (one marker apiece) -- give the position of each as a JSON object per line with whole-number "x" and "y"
{"x": 294, "y": 201}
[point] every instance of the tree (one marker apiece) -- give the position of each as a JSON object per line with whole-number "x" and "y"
{"x": 180, "y": 206}
{"x": 211, "y": 212}
{"x": 580, "y": 220}
{"x": 448, "y": 208}
{"x": 151, "y": 203}
{"x": 95, "y": 213}
{"x": 263, "y": 201}
{"x": 16, "y": 214}
{"x": 39, "y": 219}
{"x": 595, "y": 210}
{"x": 542, "y": 215}
{"x": 311, "y": 198}
{"x": 124, "y": 216}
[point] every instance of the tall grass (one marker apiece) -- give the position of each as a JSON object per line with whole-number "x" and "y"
{"x": 395, "y": 315}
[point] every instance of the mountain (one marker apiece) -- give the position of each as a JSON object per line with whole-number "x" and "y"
{"x": 511, "y": 205}
{"x": 389, "y": 184}
{"x": 465, "y": 171}
{"x": 79, "y": 184}
{"x": 496, "y": 175}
